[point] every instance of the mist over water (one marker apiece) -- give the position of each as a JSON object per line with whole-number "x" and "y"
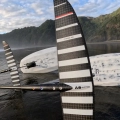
{"x": 103, "y": 48}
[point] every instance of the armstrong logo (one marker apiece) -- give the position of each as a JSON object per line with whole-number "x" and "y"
{"x": 78, "y": 87}
{"x": 82, "y": 87}
{"x": 86, "y": 87}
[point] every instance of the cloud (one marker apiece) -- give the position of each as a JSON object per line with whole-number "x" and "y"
{"x": 15, "y": 14}
{"x": 37, "y": 7}
{"x": 95, "y": 8}
{"x": 23, "y": 13}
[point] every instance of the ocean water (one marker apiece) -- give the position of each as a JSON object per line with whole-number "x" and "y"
{"x": 31, "y": 105}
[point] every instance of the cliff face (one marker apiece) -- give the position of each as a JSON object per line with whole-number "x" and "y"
{"x": 102, "y": 28}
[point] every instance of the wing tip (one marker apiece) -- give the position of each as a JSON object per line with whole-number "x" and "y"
{"x": 4, "y": 42}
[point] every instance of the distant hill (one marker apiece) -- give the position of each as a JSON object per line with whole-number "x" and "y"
{"x": 102, "y": 28}
{"x": 31, "y": 36}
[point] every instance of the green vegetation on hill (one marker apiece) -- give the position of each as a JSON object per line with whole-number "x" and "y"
{"x": 102, "y": 28}
{"x": 31, "y": 36}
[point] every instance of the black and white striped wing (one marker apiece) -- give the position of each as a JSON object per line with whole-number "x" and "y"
{"x": 74, "y": 64}
{"x": 11, "y": 64}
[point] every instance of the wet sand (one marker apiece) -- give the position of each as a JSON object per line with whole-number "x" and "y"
{"x": 31, "y": 105}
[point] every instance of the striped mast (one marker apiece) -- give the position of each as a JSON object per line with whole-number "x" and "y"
{"x": 74, "y": 65}
{"x": 11, "y": 64}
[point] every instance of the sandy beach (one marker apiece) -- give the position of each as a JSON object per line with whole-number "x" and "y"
{"x": 31, "y": 105}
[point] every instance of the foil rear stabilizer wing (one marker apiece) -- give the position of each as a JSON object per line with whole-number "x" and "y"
{"x": 11, "y": 64}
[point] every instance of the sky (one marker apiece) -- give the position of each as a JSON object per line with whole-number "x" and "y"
{"x": 24, "y": 13}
